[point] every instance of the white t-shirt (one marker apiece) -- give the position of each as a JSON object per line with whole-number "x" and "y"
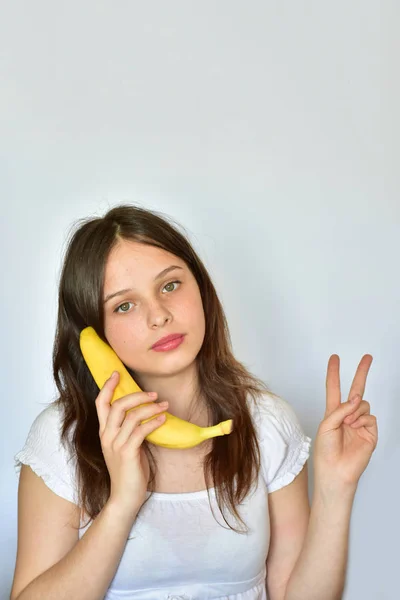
{"x": 180, "y": 550}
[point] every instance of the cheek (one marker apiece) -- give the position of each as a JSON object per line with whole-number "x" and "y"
{"x": 196, "y": 318}
{"x": 190, "y": 309}
{"x": 121, "y": 339}
{"x": 128, "y": 349}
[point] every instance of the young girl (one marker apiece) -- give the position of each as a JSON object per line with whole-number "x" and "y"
{"x": 104, "y": 513}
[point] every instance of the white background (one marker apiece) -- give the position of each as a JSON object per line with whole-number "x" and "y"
{"x": 269, "y": 130}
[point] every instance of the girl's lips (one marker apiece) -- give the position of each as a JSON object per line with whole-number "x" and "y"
{"x": 169, "y": 345}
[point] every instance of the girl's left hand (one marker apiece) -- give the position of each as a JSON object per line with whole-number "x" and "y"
{"x": 348, "y": 434}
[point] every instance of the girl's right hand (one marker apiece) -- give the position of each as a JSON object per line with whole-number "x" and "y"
{"x": 121, "y": 439}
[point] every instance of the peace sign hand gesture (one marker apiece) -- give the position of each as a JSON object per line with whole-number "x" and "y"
{"x": 348, "y": 434}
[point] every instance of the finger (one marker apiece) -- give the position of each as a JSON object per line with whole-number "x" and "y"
{"x": 134, "y": 419}
{"x": 360, "y": 378}
{"x": 103, "y": 400}
{"x": 335, "y": 419}
{"x": 119, "y": 408}
{"x": 364, "y": 408}
{"x": 143, "y": 430}
{"x": 364, "y": 421}
{"x": 371, "y": 428}
{"x": 333, "y": 395}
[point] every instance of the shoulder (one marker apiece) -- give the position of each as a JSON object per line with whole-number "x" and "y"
{"x": 45, "y": 430}
{"x": 272, "y": 414}
{"x": 47, "y": 455}
{"x": 48, "y": 418}
{"x": 284, "y": 445}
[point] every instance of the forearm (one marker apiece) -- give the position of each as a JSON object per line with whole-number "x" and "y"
{"x": 85, "y": 573}
{"x": 320, "y": 570}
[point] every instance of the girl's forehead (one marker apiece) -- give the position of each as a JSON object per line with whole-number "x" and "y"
{"x": 139, "y": 259}
{"x": 138, "y": 251}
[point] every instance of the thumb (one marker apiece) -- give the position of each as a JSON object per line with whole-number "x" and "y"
{"x": 336, "y": 418}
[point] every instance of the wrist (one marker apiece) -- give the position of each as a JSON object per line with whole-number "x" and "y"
{"x": 121, "y": 512}
{"x": 330, "y": 514}
{"x": 331, "y": 493}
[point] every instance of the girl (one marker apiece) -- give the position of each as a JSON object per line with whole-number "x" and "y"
{"x": 103, "y": 513}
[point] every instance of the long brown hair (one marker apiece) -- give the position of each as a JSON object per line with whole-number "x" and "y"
{"x": 233, "y": 463}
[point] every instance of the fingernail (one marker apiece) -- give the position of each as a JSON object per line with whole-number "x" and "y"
{"x": 152, "y": 394}
{"x": 113, "y": 374}
{"x": 354, "y": 399}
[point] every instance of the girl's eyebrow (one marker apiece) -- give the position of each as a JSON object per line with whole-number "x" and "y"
{"x": 156, "y": 278}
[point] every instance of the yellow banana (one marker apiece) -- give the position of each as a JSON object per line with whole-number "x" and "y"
{"x": 174, "y": 432}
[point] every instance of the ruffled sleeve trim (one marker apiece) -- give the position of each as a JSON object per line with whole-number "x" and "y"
{"x": 284, "y": 445}
{"x": 44, "y": 452}
{"x": 59, "y": 487}
{"x": 294, "y": 464}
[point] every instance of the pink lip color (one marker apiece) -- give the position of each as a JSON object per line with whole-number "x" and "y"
{"x": 169, "y": 345}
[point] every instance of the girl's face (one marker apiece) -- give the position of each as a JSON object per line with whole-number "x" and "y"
{"x": 151, "y": 308}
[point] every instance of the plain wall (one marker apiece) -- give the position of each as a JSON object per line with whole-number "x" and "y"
{"x": 269, "y": 131}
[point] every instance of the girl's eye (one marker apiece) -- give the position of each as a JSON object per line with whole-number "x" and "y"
{"x": 170, "y": 283}
{"x": 118, "y": 307}
{"x": 125, "y": 303}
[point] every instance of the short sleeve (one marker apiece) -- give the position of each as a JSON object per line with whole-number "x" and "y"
{"x": 47, "y": 456}
{"x": 284, "y": 446}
